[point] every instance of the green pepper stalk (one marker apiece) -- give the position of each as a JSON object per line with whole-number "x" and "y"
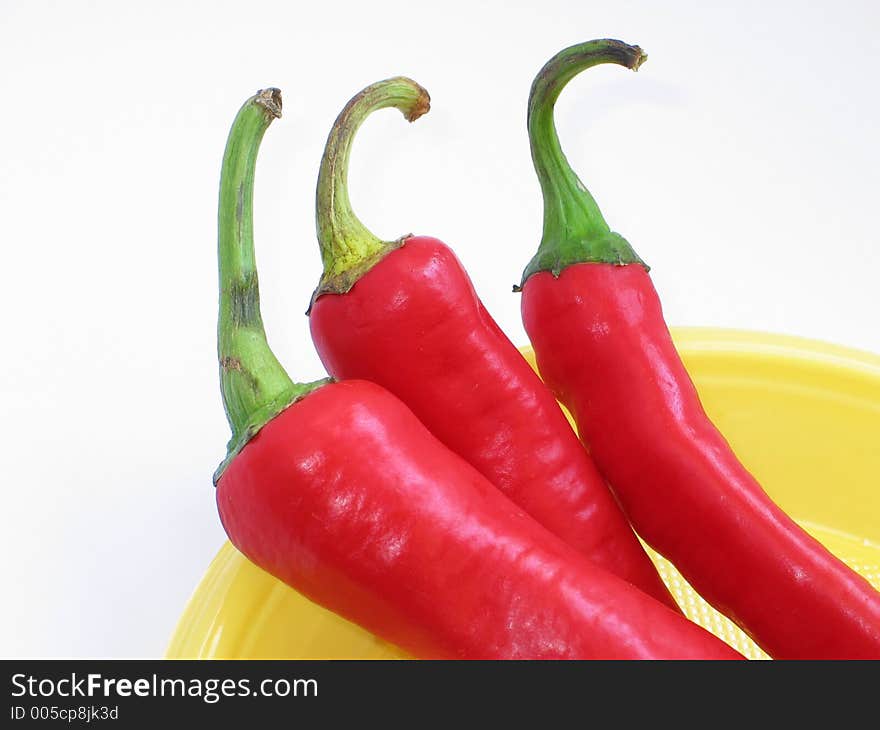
{"x": 574, "y": 229}
{"x": 348, "y": 248}
{"x": 254, "y": 385}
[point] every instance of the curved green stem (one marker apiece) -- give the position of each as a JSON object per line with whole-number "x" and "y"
{"x": 574, "y": 229}
{"x": 348, "y": 249}
{"x": 253, "y": 384}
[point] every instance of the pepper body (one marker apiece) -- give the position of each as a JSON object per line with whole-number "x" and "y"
{"x": 348, "y": 498}
{"x": 414, "y": 324}
{"x": 338, "y": 490}
{"x": 603, "y": 347}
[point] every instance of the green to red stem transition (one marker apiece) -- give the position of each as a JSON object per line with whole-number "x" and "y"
{"x": 348, "y": 248}
{"x": 574, "y": 229}
{"x": 253, "y": 384}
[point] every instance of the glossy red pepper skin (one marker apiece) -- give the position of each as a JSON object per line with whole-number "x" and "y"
{"x": 340, "y": 491}
{"x": 603, "y": 347}
{"x": 414, "y": 324}
{"x": 348, "y": 498}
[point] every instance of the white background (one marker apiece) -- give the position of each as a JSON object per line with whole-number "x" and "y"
{"x": 742, "y": 163}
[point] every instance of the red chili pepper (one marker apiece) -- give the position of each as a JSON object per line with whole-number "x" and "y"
{"x": 405, "y": 315}
{"x": 602, "y": 345}
{"x": 338, "y": 490}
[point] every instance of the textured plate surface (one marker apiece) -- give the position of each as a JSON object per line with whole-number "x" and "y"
{"x": 803, "y": 416}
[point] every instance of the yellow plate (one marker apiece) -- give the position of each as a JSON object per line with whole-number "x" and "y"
{"x": 803, "y": 416}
